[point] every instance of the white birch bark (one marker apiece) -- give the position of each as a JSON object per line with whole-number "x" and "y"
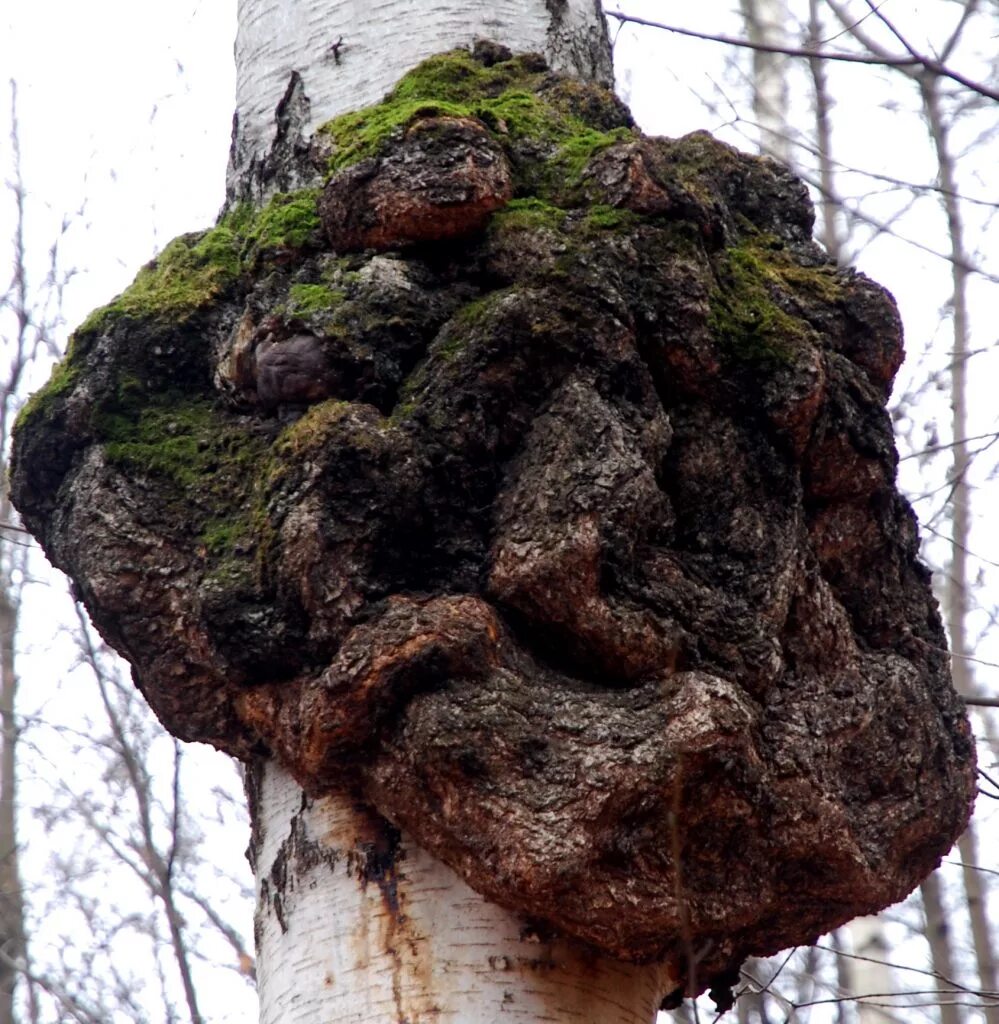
{"x": 871, "y": 973}
{"x": 351, "y": 928}
{"x": 349, "y": 53}
{"x": 766, "y": 25}
{"x": 959, "y": 586}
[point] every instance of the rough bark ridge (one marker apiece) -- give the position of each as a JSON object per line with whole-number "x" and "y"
{"x": 534, "y": 478}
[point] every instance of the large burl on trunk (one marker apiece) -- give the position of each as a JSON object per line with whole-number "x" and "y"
{"x": 532, "y": 478}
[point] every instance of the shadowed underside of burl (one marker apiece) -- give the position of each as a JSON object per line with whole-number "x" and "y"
{"x": 532, "y": 478}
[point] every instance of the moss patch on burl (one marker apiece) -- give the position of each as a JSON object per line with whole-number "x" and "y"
{"x": 61, "y": 381}
{"x": 191, "y": 271}
{"x": 195, "y": 269}
{"x": 550, "y": 128}
{"x": 745, "y": 315}
{"x": 205, "y": 465}
{"x": 288, "y": 221}
{"x": 306, "y": 299}
{"x": 527, "y": 215}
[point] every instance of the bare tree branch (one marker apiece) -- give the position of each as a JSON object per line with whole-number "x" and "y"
{"x": 913, "y": 62}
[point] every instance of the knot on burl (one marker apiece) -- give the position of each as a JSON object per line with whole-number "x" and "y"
{"x": 533, "y": 477}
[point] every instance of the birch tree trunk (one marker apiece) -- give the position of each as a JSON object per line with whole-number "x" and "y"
{"x": 958, "y": 581}
{"x": 357, "y": 923}
{"x": 766, "y": 25}
{"x": 871, "y": 972}
{"x": 829, "y": 202}
{"x": 354, "y": 922}
{"x": 319, "y": 58}
{"x": 941, "y": 956}
{"x": 19, "y": 348}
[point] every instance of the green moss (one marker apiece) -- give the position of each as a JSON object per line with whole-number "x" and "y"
{"x": 597, "y": 107}
{"x": 195, "y": 269}
{"x": 61, "y": 381}
{"x": 361, "y": 134}
{"x": 310, "y": 431}
{"x": 208, "y": 466}
{"x": 456, "y": 77}
{"x": 528, "y": 214}
{"x": 190, "y": 272}
{"x": 288, "y": 221}
{"x": 744, "y": 315}
{"x": 403, "y": 410}
{"x": 565, "y": 169}
{"x": 518, "y": 115}
{"x": 608, "y": 218}
{"x": 450, "y": 345}
{"x": 239, "y": 218}
{"x": 175, "y": 441}
{"x": 701, "y": 151}
{"x": 306, "y": 299}
{"x": 474, "y": 313}
{"x": 507, "y": 98}
{"x": 364, "y": 133}
{"x": 696, "y": 162}
{"x": 221, "y": 537}
{"x": 342, "y": 272}
{"x": 822, "y": 284}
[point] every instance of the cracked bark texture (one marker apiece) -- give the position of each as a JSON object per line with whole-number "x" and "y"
{"x": 531, "y": 478}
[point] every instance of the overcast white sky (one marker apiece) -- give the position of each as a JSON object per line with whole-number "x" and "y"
{"x": 124, "y": 105}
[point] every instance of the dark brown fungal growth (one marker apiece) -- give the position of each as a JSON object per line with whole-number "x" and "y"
{"x": 442, "y": 180}
{"x": 563, "y": 526}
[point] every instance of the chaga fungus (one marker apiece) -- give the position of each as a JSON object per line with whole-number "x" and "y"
{"x": 533, "y": 476}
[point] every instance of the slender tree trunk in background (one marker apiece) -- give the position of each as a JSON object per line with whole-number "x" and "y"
{"x": 840, "y": 962}
{"x": 354, "y": 922}
{"x": 871, "y": 975}
{"x": 751, "y": 1006}
{"x": 957, "y": 590}
{"x": 829, "y": 201}
{"x": 978, "y": 912}
{"x": 685, "y": 1015}
{"x": 766, "y": 24}
{"x": 941, "y": 955}
{"x": 12, "y": 944}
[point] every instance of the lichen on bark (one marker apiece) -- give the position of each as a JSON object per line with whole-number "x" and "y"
{"x": 533, "y": 478}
